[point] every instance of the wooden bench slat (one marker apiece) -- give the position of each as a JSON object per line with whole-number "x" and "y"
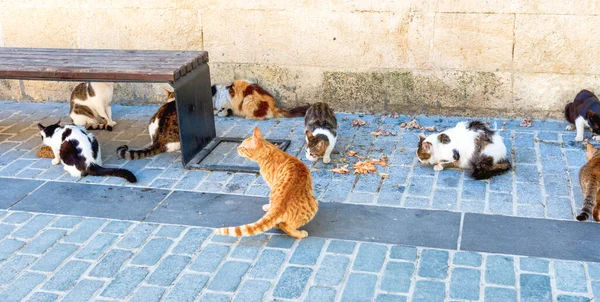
{"x": 87, "y": 74}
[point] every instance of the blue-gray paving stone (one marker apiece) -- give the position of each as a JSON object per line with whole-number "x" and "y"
{"x": 281, "y": 241}
{"x": 367, "y": 183}
{"x": 428, "y": 291}
{"x": 556, "y": 185}
{"x": 524, "y": 139}
{"x": 338, "y": 191}
{"x": 29, "y": 173}
{"x": 268, "y": 264}
{"x": 360, "y": 197}
{"x": 525, "y": 155}
{"x": 390, "y": 298}
{"x": 320, "y": 294}
{"x": 396, "y": 277}
{"x": 125, "y": 282}
{"x": 168, "y": 270}
{"x": 55, "y": 257}
{"x": 370, "y": 257}
{"x": 223, "y": 239}
{"x": 423, "y": 170}
{"x": 359, "y": 287}
{"x": 547, "y": 136}
{"x": 575, "y": 158}
{"x": 407, "y": 253}
{"x": 500, "y": 294}
{"x": 416, "y": 202}
{"x": 570, "y": 276}
{"x": 449, "y": 178}
{"x": 96, "y": 246}
{"x": 527, "y": 173}
{"x": 5, "y": 229}
{"x": 44, "y": 241}
{"x": 464, "y": 283}
{"x": 534, "y": 265}
{"x": 529, "y": 194}
{"x": 565, "y": 298}
{"x": 433, "y": 264}
{"x": 67, "y": 222}
{"x": 147, "y": 294}
{"x": 191, "y": 180}
{"x": 209, "y": 258}
{"x": 467, "y": 259}
{"x": 83, "y": 290}
{"x": 136, "y": 237}
{"x": 14, "y": 266}
{"x": 8, "y": 247}
{"x": 473, "y": 190}
{"x": 445, "y": 199}
{"x": 307, "y": 251}
{"x": 341, "y": 247}
{"x": 558, "y": 207}
{"x": 191, "y": 241}
{"x": 258, "y": 191}
{"x": 252, "y": 290}
{"x": 207, "y": 297}
{"x": 84, "y": 230}
{"x": 117, "y": 227}
{"x": 420, "y": 186}
{"x": 66, "y": 276}
{"x": 292, "y": 282}
{"x": 502, "y": 183}
{"x": 405, "y": 157}
{"x": 332, "y": 270}
{"x": 229, "y": 276}
{"x": 248, "y": 247}
{"x": 162, "y": 183}
{"x": 468, "y": 206}
{"x": 33, "y": 226}
{"x": 43, "y": 297}
{"x": 594, "y": 270}
{"x": 596, "y": 289}
{"x": 535, "y": 287}
{"x": 17, "y": 217}
{"x": 21, "y": 287}
{"x": 239, "y": 183}
{"x": 500, "y": 270}
{"x": 152, "y": 251}
{"x": 110, "y": 264}
{"x": 530, "y": 211}
{"x": 187, "y": 288}
{"x": 170, "y": 231}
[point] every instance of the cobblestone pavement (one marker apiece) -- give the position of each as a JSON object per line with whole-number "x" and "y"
{"x": 48, "y": 257}
{"x": 544, "y": 182}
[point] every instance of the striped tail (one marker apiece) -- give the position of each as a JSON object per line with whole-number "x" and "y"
{"x": 100, "y": 127}
{"x": 96, "y": 170}
{"x": 295, "y": 112}
{"x": 262, "y": 225}
{"x": 485, "y": 168}
{"x": 588, "y": 203}
{"x": 125, "y": 153}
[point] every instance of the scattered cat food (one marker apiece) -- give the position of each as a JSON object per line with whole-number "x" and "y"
{"x": 345, "y": 118}
{"x": 368, "y": 166}
{"x": 315, "y": 170}
{"x": 526, "y": 123}
{"x": 340, "y": 170}
{"x": 200, "y": 213}
{"x": 381, "y": 132}
{"x": 354, "y": 153}
{"x": 45, "y": 152}
{"x": 415, "y": 125}
{"x": 358, "y": 123}
{"x": 393, "y": 115}
{"x": 384, "y": 175}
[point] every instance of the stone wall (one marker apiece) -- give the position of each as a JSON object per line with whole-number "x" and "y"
{"x": 500, "y": 57}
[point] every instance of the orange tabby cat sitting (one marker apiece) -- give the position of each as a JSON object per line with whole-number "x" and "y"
{"x": 589, "y": 179}
{"x": 249, "y": 100}
{"x": 292, "y": 202}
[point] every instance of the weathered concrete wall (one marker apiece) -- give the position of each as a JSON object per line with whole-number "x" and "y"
{"x": 501, "y": 57}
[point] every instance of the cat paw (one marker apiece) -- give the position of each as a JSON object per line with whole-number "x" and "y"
{"x": 438, "y": 167}
{"x": 326, "y": 160}
{"x": 56, "y": 161}
{"x": 570, "y": 127}
{"x": 579, "y": 138}
{"x": 303, "y": 234}
{"x": 112, "y": 123}
{"x": 266, "y": 207}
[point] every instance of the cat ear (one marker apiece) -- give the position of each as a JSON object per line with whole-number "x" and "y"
{"x": 309, "y": 134}
{"x": 213, "y": 89}
{"x": 427, "y": 146}
{"x": 421, "y": 138}
{"x": 257, "y": 133}
{"x": 166, "y": 91}
{"x": 58, "y": 123}
{"x": 41, "y": 127}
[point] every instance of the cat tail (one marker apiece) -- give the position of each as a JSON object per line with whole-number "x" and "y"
{"x": 484, "y": 167}
{"x": 96, "y": 170}
{"x": 125, "y": 153}
{"x": 588, "y": 203}
{"x": 567, "y": 112}
{"x": 100, "y": 127}
{"x": 262, "y": 225}
{"x": 294, "y": 112}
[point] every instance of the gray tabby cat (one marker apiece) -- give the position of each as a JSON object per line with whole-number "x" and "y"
{"x": 90, "y": 105}
{"x": 320, "y": 125}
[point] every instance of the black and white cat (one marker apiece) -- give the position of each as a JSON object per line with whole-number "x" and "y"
{"x": 471, "y": 146}
{"x": 320, "y": 125}
{"x": 78, "y": 151}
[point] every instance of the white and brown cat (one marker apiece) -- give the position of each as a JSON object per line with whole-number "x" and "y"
{"x": 90, "y": 105}
{"x": 320, "y": 126}
{"x": 249, "y": 100}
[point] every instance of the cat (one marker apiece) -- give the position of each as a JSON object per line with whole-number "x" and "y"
{"x": 90, "y": 105}
{"x": 249, "y": 100}
{"x": 163, "y": 130}
{"x": 320, "y": 127}
{"x": 79, "y": 151}
{"x": 584, "y": 112}
{"x": 471, "y": 146}
{"x": 292, "y": 203}
{"x": 589, "y": 179}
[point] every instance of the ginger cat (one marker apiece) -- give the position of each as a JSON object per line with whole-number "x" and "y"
{"x": 249, "y": 100}
{"x": 589, "y": 179}
{"x": 292, "y": 202}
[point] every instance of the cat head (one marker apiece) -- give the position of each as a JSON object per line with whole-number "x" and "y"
{"x": 424, "y": 150}
{"x": 222, "y": 95}
{"x": 316, "y": 145}
{"x": 251, "y": 147}
{"x": 170, "y": 95}
{"x": 594, "y": 121}
{"x": 47, "y": 132}
{"x": 590, "y": 151}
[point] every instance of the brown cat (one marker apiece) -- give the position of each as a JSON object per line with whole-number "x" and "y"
{"x": 589, "y": 179}
{"x": 164, "y": 132}
{"x": 292, "y": 202}
{"x": 249, "y": 100}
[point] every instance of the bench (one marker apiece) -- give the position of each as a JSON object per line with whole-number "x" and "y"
{"x": 186, "y": 71}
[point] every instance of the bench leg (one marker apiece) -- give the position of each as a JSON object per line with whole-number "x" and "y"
{"x": 194, "y": 112}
